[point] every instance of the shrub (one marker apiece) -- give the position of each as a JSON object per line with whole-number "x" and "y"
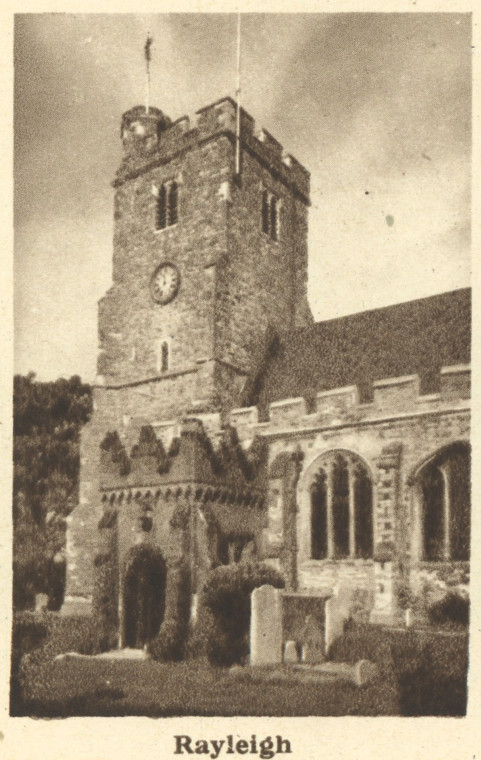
{"x": 431, "y": 671}
{"x": 169, "y": 644}
{"x": 75, "y": 633}
{"x": 225, "y": 605}
{"x": 427, "y": 670}
{"x": 29, "y": 631}
{"x": 452, "y": 608}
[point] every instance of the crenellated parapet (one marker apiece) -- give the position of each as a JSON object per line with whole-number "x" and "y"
{"x": 392, "y": 397}
{"x": 192, "y": 461}
{"x": 152, "y": 139}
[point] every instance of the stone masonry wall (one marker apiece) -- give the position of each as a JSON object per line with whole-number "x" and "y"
{"x": 394, "y": 436}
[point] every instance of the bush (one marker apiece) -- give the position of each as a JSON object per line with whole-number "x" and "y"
{"x": 169, "y": 644}
{"x": 427, "y": 670}
{"x": 431, "y": 672}
{"x": 225, "y": 609}
{"x": 452, "y": 608}
{"x": 29, "y": 631}
{"x": 73, "y": 633}
{"x": 79, "y": 633}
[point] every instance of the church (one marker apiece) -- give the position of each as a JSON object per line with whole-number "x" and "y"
{"x": 228, "y": 426}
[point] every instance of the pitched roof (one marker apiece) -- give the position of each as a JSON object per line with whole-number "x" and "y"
{"x": 415, "y": 337}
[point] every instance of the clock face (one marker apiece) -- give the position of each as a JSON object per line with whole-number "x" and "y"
{"x": 164, "y": 284}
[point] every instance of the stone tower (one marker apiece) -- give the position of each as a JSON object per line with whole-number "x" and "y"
{"x": 207, "y": 265}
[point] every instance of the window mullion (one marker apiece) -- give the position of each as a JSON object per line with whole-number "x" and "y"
{"x": 331, "y": 549}
{"x": 351, "y": 470}
{"x": 446, "y": 474}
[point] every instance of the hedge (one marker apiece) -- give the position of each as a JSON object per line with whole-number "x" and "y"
{"x": 169, "y": 644}
{"x": 222, "y": 630}
{"x": 428, "y": 668}
{"x": 40, "y": 637}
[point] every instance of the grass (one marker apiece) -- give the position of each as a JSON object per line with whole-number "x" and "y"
{"x": 148, "y": 688}
{"x": 421, "y": 673}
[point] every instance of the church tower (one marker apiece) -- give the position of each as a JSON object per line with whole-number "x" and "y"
{"x": 204, "y": 261}
{"x": 207, "y": 264}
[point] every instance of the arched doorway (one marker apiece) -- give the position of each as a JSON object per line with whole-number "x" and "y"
{"x": 444, "y": 488}
{"x": 144, "y": 596}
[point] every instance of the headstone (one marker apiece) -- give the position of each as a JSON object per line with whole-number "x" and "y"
{"x": 290, "y": 652}
{"x": 338, "y": 610}
{"x": 266, "y": 626}
{"x": 312, "y": 641}
{"x": 365, "y": 671}
{"x": 41, "y": 602}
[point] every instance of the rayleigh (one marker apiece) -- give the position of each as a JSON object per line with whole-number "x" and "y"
{"x": 266, "y": 748}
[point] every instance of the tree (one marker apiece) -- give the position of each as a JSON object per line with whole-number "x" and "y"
{"x": 47, "y": 419}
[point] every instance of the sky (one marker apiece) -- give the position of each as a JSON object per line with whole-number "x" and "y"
{"x": 376, "y": 106}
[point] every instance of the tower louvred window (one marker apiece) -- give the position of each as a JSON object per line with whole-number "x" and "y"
{"x": 270, "y": 215}
{"x": 173, "y": 209}
{"x": 167, "y": 210}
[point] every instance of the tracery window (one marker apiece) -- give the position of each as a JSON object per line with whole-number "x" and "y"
{"x": 341, "y": 508}
{"x": 446, "y": 504}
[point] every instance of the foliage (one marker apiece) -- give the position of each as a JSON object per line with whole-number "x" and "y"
{"x": 105, "y": 598}
{"x": 170, "y": 642}
{"x": 37, "y": 638}
{"x": 46, "y": 425}
{"x": 225, "y": 609}
{"x": 427, "y": 669}
{"x": 452, "y": 608}
{"x": 29, "y": 631}
{"x": 405, "y": 597}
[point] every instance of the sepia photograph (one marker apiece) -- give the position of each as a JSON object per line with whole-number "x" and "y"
{"x": 242, "y": 338}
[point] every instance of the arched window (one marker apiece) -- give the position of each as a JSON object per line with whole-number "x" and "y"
{"x": 265, "y": 212}
{"x": 173, "y": 203}
{"x": 164, "y": 356}
{"x": 273, "y": 218}
{"x": 341, "y": 508}
{"x": 446, "y": 504}
{"x": 167, "y": 206}
{"x": 270, "y": 215}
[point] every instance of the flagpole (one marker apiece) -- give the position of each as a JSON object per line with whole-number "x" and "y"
{"x": 238, "y": 96}
{"x": 148, "y": 55}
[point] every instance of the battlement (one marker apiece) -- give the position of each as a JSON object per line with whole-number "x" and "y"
{"x": 393, "y": 397}
{"x": 152, "y": 139}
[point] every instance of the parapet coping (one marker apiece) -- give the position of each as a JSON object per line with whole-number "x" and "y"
{"x": 165, "y": 424}
{"x": 430, "y": 398}
{"x": 264, "y": 428}
{"x": 287, "y": 402}
{"x": 455, "y": 369}
{"x": 337, "y": 391}
{"x": 243, "y": 410}
{"x": 403, "y": 379}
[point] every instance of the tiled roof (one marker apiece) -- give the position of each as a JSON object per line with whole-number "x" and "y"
{"x": 415, "y": 337}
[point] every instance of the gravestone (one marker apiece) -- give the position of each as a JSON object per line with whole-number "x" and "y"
{"x": 365, "y": 671}
{"x": 266, "y": 626}
{"x": 290, "y": 652}
{"x": 41, "y": 602}
{"x": 312, "y": 641}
